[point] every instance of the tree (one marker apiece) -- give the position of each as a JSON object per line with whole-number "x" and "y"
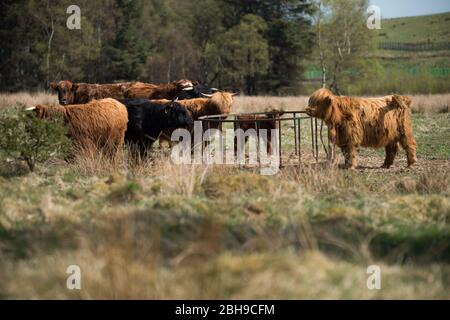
{"x": 318, "y": 18}
{"x": 346, "y": 43}
{"x": 244, "y": 53}
{"x": 289, "y": 37}
{"x": 206, "y": 27}
{"x": 129, "y": 50}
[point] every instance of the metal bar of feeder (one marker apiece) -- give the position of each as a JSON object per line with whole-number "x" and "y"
{"x": 279, "y": 140}
{"x": 312, "y": 136}
{"x": 330, "y": 151}
{"x": 236, "y": 140}
{"x": 299, "y": 140}
{"x": 202, "y": 123}
{"x": 258, "y": 151}
{"x": 295, "y": 132}
{"x": 317, "y": 140}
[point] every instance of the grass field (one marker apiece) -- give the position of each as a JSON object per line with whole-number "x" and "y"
{"x": 421, "y": 71}
{"x": 158, "y": 230}
{"x": 406, "y": 71}
{"x": 429, "y": 28}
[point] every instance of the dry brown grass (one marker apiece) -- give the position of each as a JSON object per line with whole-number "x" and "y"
{"x": 242, "y": 104}
{"x": 431, "y": 103}
{"x": 26, "y": 99}
{"x": 155, "y": 230}
{"x": 421, "y": 103}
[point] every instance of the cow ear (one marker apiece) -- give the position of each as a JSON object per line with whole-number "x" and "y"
{"x": 401, "y": 101}
{"x": 53, "y": 86}
{"x": 330, "y": 101}
{"x": 407, "y": 100}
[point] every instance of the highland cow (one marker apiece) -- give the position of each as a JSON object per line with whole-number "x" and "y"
{"x": 158, "y": 91}
{"x": 267, "y": 121}
{"x": 147, "y": 120}
{"x": 366, "y": 122}
{"x": 198, "y": 91}
{"x": 98, "y": 125}
{"x": 79, "y": 93}
{"x": 214, "y": 104}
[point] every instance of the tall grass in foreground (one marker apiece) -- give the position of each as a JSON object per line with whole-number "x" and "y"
{"x": 159, "y": 231}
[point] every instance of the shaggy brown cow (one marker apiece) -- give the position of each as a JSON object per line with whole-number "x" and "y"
{"x": 366, "y": 122}
{"x": 78, "y": 93}
{"x": 158, "y": 91}
{"x": 97, "y": 125}
{"x": 263, "y": 121}
{"x": 217, "y": 103}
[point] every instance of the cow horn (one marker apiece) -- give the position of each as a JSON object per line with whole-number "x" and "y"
{"x": 215, "y": 90}
{"x": 188, "y": 88}
{"x": 206, "y": 95}
{"x": 235, "y": 93}
{"x": 30, "y": 109}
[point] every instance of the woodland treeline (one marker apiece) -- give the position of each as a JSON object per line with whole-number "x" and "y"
{"x": 258, "y": 46}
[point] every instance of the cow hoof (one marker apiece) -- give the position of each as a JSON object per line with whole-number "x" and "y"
{"x": 346, "y": 167}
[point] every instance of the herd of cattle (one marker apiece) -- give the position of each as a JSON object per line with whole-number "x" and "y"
{"x": 105, "y": 116}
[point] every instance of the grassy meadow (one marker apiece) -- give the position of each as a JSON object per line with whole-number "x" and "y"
{"x": 420, "y": 71}
{"x": 428, "y": 28}
{"x": 423, "y": 70}
{"x": 156, "y": 230}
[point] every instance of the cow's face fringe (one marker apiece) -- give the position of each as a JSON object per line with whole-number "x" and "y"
{"x": 324, "y": 105}
{"x": 222, "y": 101}
{"x": 183, "y": 84}
{"x": 66, "y": 91}
{"x": 178, "y": 116}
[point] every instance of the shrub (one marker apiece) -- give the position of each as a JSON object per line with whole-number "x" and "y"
{"x": 25, "y": 137}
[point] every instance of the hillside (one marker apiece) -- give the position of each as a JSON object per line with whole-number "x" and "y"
{"x": 430, "y": 28}
{"x": 413, "y": 57}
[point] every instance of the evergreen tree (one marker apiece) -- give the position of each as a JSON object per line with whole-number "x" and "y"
{"x": 289, "y": 36}
{"x": 243, "y": 54}
{"x": 129, "y": 50}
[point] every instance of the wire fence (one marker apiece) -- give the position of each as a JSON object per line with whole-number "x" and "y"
{"x": 415, "y": 47}
{"x": 404, "y": 70}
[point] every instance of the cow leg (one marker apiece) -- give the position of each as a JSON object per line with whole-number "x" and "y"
{"x": 409, "y": 144}
{"x": 350, "y": 156}
{"x": 391, "y": 152}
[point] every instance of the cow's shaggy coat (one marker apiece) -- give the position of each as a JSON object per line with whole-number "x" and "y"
{"x": 78, "y": 93}
{"x": 366, "y": 122}
{"x": 148, "y": 119}
{"x": 219, "y": 103}
{"x": 158, "y": 91}
{"x": 98, "y": 125}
